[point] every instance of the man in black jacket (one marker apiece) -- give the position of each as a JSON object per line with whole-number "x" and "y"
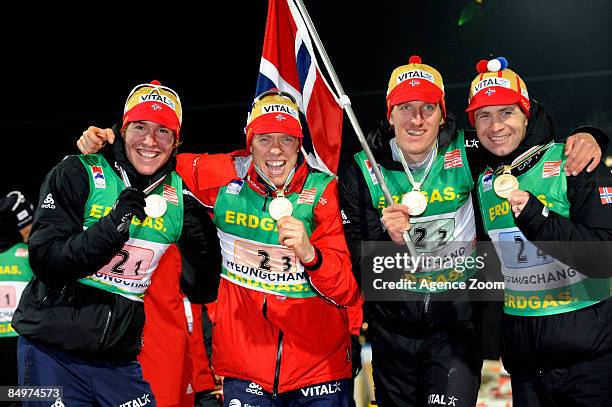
{"x": 102, "y": 224}
{"x": 426, "y": 351}
{"x": 552, "y": 234}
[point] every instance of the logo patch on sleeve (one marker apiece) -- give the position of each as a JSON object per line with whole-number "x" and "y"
{"x": 605, "y": 194}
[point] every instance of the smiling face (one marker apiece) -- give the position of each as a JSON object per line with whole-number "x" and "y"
{"x": 275, "y": 154}
{"x": 500, "y": 129}
{"x": 416, "y": 125}
{"x": 148, "y": 145}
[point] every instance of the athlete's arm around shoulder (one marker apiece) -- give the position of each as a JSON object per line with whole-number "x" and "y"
{"x": 330, "y": 272}
{"x": 60, "y": 250}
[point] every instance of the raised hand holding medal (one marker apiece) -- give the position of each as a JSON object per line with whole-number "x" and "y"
{"x": 155, "y": 204}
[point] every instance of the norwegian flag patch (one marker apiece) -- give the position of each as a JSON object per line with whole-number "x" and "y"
{"x": 98, "y": 176}
{"x": 170, "y": 194}
{"x": 605, "y": 194}
{"x": 307, "y": 196}
{"x": 487, "y": 180}
{"x": 21, "y": 252}
{"x": 452, "y": 159}
{"x": 551, "y": 169}
{"x": 371, "y": 171}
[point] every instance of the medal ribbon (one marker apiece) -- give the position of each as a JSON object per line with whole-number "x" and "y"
{"x": 269, "y": 182}
{"x": 522, "y": 158}
{"x": 416, "y": 186}
{"x": 126, "y": 180}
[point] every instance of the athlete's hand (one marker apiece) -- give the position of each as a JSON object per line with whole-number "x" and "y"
{"x": 292, "y": 234}
{"x": 517, "y": 200}
{"x": 397, "y": 221}
{"x": 581, "y": 149}
{"x": 94, "y": 138}
{"x": 129, "y": 203}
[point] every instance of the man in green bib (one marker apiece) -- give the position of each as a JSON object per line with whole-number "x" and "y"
{"x": 557, "y": 325}
{"x": 16, "y": 214}
{"x": 102, "y": 224}
{"x": 426, "y": 351}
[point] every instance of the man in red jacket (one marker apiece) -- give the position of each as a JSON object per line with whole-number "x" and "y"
{"x": 281, "y": 333}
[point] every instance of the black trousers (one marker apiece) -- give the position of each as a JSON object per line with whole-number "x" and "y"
{"x": 431, "y": 368}
{"x": 585, "y": 383}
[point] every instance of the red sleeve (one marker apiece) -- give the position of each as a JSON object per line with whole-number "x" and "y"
{"x": 204, "y": 174}
{"x": 355, "y": 314}
{"x": 332, "y": 275}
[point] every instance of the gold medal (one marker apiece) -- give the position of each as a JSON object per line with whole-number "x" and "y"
{"x": 505, "y": 184}
{"x": 416, "y": 202}
{"x": 279, "y": 207}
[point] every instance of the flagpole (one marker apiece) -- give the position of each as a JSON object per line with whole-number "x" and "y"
{"x": 346, "y": 105}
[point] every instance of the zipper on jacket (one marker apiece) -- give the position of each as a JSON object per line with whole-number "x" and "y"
{"x": 426, "y": 303}
{"x": 108, "y": 318}
{"x": 279, "y": 353}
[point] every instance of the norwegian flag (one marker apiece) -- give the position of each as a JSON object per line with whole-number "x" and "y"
{"x": 605, "y": 194}
{"x": 452, "y": 159}
{"x": 169, "y": 194}
{"x": 288, "y": 63}
{"x": 307, "y": 196}
{"x": 551, "y": 169}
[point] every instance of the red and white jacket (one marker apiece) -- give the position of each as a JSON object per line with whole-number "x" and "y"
{"x": 282, "y": 343}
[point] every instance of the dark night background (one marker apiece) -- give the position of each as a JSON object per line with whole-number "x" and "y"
{"x": 62, "y": 72}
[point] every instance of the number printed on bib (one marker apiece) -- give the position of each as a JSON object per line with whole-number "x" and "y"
{"x": 8, "y": 296}
{"x": 265, "y": 257}
{"x": 130, "y": 263}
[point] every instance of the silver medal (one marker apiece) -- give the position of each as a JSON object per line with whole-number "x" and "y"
{"x": 155, "y": 206}
{"x": 416, "y": 203}
{"x": 279, "y": 207}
